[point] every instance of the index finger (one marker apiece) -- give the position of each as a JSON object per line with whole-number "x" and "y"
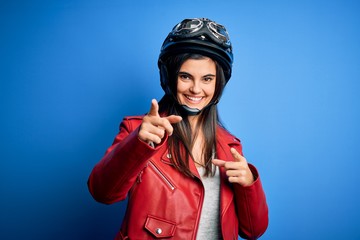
{"x": 218, "y": 162}
{"x": 237, "y": 156}
{"x": 154, "y": 109}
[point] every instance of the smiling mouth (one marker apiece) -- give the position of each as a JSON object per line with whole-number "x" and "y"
{"x": 194, "y": 99}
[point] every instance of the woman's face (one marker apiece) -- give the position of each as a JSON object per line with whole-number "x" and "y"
{"x": 196, "y": 82}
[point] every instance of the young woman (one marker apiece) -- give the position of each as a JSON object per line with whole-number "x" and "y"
{"x": 184, "y": 174}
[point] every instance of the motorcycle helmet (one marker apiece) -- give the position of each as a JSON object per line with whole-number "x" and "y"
{"x": 200, "y": 36}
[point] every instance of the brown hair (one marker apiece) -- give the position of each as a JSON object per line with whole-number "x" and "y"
{"x": 182, "y": 141}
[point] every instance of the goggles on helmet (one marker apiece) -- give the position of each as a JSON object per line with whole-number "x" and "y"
{"x": 198, "y": 27}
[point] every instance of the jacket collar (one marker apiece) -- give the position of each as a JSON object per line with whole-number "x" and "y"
{"x": 225, "y": 140}
{"x": 223, "y": 144}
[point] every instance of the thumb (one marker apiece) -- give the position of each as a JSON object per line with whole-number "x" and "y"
{"x": 154, "y": 109}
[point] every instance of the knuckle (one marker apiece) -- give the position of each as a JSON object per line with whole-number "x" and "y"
{"x": 242, "y": 179}
{"x": 162, "y": 121}
{"x": 165, "y": 123}
{"x": 161, "y": 133}
{"x": 232, "y": 180}
{"x": 170, "y": 129}
{"x": 144, "y": 136}
{"x": 141, "y": 136}
{"x": 158, "y": 140}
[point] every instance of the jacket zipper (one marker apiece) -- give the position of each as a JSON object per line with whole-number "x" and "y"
{"x": 162, "y": 176}
{"x": 139, "y": 176}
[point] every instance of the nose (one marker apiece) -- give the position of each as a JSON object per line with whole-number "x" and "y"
{"x": 195, "y": 88}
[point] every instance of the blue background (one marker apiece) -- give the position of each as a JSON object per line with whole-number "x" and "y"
{"x": 71, "y": 70}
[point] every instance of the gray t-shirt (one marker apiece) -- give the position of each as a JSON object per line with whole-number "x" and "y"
{"x": 209, "y": 226}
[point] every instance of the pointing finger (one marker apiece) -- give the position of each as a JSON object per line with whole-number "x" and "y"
{"x": 237, "y": 156}
{"x": 219, "y": 163}
{"x": 167, "y": 121}
{"x": 174, "y": 119}
{"x": 154, "y": 110}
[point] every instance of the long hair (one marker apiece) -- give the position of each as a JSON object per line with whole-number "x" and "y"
{"x": 181, "y": 142}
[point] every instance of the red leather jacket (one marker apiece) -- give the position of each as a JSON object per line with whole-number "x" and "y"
{"x": 162, "y": 202}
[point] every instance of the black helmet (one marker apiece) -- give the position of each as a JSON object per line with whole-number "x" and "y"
{"x": 201, "y": 36}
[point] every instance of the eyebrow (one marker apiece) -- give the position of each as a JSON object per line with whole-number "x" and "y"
{"x": 207, "y": 75}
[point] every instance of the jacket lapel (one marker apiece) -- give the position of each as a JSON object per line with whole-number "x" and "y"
{"x": 166, "y": 159}
{"x": 224, "y": 142}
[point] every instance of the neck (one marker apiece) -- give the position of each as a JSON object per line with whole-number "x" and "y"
{"x": 193, "y": 120}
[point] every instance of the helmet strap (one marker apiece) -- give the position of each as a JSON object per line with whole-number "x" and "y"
{"x": 195, "y": 111}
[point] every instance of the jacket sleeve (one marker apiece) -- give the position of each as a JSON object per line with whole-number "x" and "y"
{"x": 252, "y": 207}
{"x": 112, "y": 178}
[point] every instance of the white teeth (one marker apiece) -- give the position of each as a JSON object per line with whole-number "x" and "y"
{"x": 194, "y": 98}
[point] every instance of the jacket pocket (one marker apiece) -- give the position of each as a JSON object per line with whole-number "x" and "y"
{"x": 160, "y": 228}
{"x": 162, "y": 176}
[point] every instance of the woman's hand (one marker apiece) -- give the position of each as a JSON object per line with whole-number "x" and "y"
{"x": 153, "y": 127}
{"x": 237, "y": 171}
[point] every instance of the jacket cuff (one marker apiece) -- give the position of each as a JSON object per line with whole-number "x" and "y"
{"x": 254, "y": 215}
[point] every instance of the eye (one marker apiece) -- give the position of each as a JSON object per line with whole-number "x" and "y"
{"x": 184, "y": 76}
{"x": 208, "y": 78}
